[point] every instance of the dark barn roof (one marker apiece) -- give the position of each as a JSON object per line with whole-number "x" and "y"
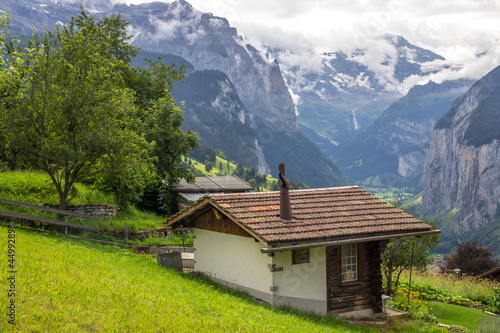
{"x": 319, "y": 216}
{"x": 214, "y": 184}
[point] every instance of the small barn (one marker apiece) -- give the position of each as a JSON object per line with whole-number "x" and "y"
{"x": 316, "y": 249}
{"x": 187, "y": 193}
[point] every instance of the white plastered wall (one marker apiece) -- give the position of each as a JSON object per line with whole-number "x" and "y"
{"x": 301, "y": 285}
{"x": 235, "y": 261}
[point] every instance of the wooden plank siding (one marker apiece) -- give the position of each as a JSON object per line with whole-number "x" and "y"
{"x": 366, "y": 292}
{"x": 218, "y": 222}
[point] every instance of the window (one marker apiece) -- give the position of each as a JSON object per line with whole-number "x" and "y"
{"x": 300, "y": 256}
{"x": 349, "y": 266}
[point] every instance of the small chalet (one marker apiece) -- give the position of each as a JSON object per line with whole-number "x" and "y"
{"x": 316, "y": 249}
{"x": 187, "y": 193}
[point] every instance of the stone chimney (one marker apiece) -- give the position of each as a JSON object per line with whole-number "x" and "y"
{"x": 285, "y": 209}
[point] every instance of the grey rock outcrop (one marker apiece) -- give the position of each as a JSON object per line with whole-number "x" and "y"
{"x": 462, "y": 169}
{"x": 209, "y": 42}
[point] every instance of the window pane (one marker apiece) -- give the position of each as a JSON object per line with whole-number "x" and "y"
{"x": 349, "y": 267}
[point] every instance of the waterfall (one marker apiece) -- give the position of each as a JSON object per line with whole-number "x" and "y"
{"x": 356, "y": 127}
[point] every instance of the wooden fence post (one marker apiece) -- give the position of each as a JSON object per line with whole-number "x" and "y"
{"x": 126, "y": 232}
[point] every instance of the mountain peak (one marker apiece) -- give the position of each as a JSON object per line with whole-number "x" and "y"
{"x": 409, "y": 51}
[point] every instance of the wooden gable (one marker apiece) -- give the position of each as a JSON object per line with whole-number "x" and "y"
{"x": 214, "y": 220}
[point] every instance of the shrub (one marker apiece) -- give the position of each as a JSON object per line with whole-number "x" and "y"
{"x": 414, "y": 305}
{"x": 471, "y": 258}
{"x": 494, "y": 302}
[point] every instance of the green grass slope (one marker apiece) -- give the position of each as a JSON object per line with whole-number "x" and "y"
{"x": 63, "y": 285}
{"x": 451, "y": 314}
{"x": 36, "y": 188}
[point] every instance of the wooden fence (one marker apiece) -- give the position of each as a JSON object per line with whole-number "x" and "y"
{"x": 45, "y": 220}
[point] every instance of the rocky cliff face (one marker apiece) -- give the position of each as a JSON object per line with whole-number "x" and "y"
{"x": 209, "y": 42}
{"x": 462, "y": 169}
{"x": 213, "y": 109}
{"x": 395, "y": 145}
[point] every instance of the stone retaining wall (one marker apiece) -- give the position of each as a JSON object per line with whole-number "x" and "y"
{"x": 100, "y": 210}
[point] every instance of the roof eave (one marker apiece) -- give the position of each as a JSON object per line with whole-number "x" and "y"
{"x": 177, "y": 219}
{"x": 348, "y": 241}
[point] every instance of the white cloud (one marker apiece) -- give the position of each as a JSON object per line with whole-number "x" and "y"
{"x": 455, "y": 29}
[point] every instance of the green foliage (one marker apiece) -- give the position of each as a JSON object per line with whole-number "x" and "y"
{"x": 401, "y": 253}
{"x": 208, "y": 167}
{"x": 467, "y": 287}
{"x": 249, "y": 175}
{"x": 106, "y": 288}
{"x": 173, "y": 239}
{"x": 171, "y": 143}
{"x": 176, "y": 238}
{"x": 72, "y": 117}
{"x": 449, "y": 310}
{"x": 36, "y": 188}
{"x": 494, "y": 302}
{"x": 83, "y": 114}
{"x": 134, "y": 218}
{"x": 430, "y": 292}
{"x": 203, "y": 152}
{"x": 414, "y": 304}
{"x": 10, "y": 59}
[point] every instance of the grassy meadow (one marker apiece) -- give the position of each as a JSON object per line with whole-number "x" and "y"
{"x": 36, "y": 188}
{"x": 68, "y": 285}
{"x": 451, "y": 314}
{"x": 64, "y": 285}
{"x": 216, "y": 170}
{"x": 469, "y": 287}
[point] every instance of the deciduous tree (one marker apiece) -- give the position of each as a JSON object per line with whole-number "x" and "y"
{"x": 74, "y": 115}
{"x": 402, "y": 252}
{"x": 83, "y": 113}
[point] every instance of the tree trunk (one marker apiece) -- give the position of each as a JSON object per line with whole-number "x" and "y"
{"x": 388, "y": 288}
{"x": 63, "y": 200}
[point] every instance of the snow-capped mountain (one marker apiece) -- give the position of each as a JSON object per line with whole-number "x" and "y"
{"x": 34, "y": 15}
{"x": 344, "y": 93}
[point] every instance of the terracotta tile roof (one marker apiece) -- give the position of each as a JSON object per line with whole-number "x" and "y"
{"x": 318, "y": 215}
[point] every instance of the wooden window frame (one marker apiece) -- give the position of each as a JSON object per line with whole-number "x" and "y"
{"x": 349, "y": 258}
{"x": 302, "y": 256}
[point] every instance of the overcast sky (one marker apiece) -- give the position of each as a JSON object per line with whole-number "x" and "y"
{"x": 455, "y": 29}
